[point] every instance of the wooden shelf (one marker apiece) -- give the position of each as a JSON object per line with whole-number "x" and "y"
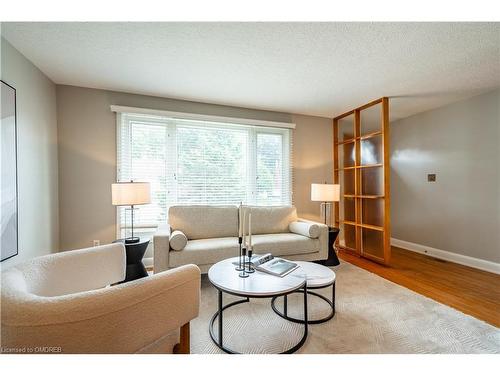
{"x": 367, "y": 226}
{"x": 360, "y": 206}
{"x": 350, "y": 140}
{"x": 366, "y": 136}
{"x": 346, "y": 168}
{"x": 360, "y": 167}
{"x": 347, "y": 222}
{"x": 374, "y": 227}
{"x": 371, "y": 165}
{"x": 371, "y": 135}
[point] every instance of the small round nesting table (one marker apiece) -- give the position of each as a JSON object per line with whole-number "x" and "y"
{"x": 225, "y": 279}
{"x": 318, "y": 277}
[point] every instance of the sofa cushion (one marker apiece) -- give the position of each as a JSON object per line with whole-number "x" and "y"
{"x": 305, "y": 229}
{"x": 178, "y": 240}
{"x": 270, "y": 219}
{"x": 202, "y": 222}
{"x": 283, "y": 244}
{"x": 206, "y": 251}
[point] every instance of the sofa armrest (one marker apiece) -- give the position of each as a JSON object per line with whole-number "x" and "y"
{"x": 323, "y": 237}
{"x": 161, "y": 248}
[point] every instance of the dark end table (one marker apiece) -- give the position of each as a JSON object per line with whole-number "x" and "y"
{"x": 333, "y": 259}
{"x": 135, "y": 253}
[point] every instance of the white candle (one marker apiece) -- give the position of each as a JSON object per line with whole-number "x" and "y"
{"x": 240, "y": 223}
{"x": 250, "y": 230}
{"x": 243, "y": 228}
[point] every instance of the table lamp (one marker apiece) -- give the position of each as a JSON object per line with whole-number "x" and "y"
{"x": 131, "y": 194}
{"x": 325, "y": 193}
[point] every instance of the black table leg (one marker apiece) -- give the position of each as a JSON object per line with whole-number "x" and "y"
{"x": 333, "y": 298}
{"x": 306, "y": 320}
{"x": 284, "y": 314}
{"x": 220, "y": 317}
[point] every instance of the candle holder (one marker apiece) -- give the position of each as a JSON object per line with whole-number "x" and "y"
{"x": 241, "y": 265}
{"x": 243, "y": 273}
{"x": 250, "y": 268}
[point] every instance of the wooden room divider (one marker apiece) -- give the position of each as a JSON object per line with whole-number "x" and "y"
{"x": 361, "y": 167}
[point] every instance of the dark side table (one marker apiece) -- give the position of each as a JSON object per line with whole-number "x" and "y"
{"x": 333, "y": 259}
{"x": 135, "y": 253}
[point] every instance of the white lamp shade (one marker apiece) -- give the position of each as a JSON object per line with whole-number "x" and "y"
{"x": 325, "y": 192}
{"x": 130, "y": 193}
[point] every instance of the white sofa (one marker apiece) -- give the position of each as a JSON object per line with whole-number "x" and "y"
{"x": 64, "y": 303}
{"x": 212, "y": 232}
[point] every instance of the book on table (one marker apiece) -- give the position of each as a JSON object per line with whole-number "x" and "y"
{"x": 273, "y": 265}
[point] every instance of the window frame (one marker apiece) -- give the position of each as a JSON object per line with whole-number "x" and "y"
{"x": 124, "y": 122}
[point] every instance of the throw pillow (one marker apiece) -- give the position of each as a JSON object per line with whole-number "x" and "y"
{"x": 310, "y": 230}
{"x": 178, "y": 240}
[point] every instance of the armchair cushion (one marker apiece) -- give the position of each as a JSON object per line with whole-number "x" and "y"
{"x": 310, "y": 230}
{"x": 178, "y": 240}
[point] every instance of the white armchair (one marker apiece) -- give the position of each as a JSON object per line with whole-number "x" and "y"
{"x": 64, "y": 301}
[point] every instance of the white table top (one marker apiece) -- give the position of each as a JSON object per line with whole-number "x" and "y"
{"x": 317, "y": 275}
{"x": 260, "y": 284}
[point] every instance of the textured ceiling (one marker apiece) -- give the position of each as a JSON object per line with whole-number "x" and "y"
{"x": 318, "y": 69}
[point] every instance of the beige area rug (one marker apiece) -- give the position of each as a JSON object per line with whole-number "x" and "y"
{"x": 373, "y": 315}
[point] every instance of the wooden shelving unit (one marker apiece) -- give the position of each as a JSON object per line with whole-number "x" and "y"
{"x": 361, "y": 167}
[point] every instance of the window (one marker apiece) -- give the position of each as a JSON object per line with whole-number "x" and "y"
{"x": 201, "y": 162}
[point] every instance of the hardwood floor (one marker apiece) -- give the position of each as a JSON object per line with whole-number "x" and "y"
{"x": 467, "y": 289}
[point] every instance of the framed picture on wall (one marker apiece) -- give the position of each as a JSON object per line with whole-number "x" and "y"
{"x": 8, "y": 175}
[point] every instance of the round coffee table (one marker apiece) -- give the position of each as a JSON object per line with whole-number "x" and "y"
{"x": 225, "y": 279}
{"x": 318, "y": 277}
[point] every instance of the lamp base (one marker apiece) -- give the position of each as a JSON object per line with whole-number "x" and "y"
{"x": 326, "y": 212}
{"x": 132, "y": 239}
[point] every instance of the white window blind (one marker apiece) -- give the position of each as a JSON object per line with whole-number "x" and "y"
{"x": 201, "y": 162}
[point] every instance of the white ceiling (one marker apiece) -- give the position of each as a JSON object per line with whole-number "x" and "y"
{"x": 318, "y": 69}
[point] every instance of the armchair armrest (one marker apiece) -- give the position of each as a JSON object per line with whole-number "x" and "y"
{"x": 161, "y": 248}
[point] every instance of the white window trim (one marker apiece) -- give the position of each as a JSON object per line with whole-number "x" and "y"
{"x": 195, "y": 116}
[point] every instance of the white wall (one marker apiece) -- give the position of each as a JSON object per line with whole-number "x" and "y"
{"x": 37, "y": 155}
{"x": 459, "y": 213}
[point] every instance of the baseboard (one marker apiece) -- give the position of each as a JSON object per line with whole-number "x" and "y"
{"x": 148, "y": 262}
{"x": 465, "y": 260}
